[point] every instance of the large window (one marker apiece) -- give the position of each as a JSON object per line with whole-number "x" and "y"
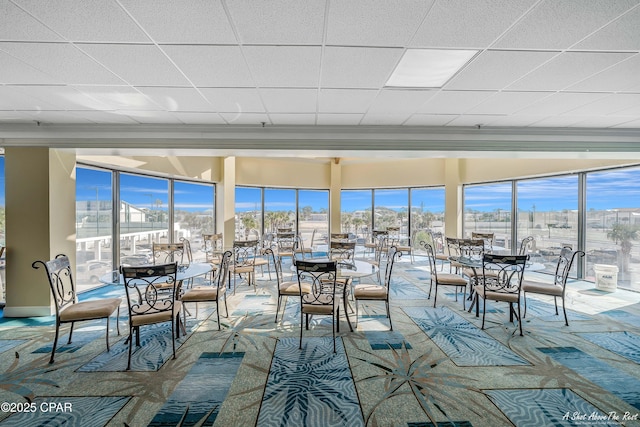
{"x": 355, "y": 215}
{"x": 193, "y": 214}
{"x": 427, "y": 212}
{"x": 313, "y": 215}
{"x": 391, "y": 209}
{"x": 548, "y": 211}
{"x": 248, "y": 211}
{"x": 279, "y": 209}
{"x": 487, "y": 209}
{"x": 613, "y": 224}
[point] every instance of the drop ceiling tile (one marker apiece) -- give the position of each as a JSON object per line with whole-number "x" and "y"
{"x": 473, "y": 120}
{"x": 345, "y": 100}
{"x": 61, "y": 117}
{"x": 278, "y": 21}
{"x": 16, "y": 24}
{"x": 609, "y": 104}
{"x": 290, "y": 100}
{"x": 86, "y": 20}
{"x": 61, "y": 97}
{"x": 246, "y": 118}
{"x": 389, "y": 23}
{"x": 561, "y": 24}
{"x": 138, "y": 65}
{"x": 621, "y": 34}
{"x": 339, "y": 119}
{"x": 496, "y": 69}
{"x": 566, "y": 69}
{"x": 453, "y": 102}
{"x": 559, "y": 103}
{"x": 284, "y": 66}
{"x": 119, "y": 98}
{"x": 558, "y": 121}
{"x": 234, "y": 99}
{"x": 15, "y": 71}
{"x": 212, "y": 66}
{"x": 12, "y": 98}
{"x": 393, "y": 101}
{"x": 293, "y": 119}
{"x": 621, "y": 76}
{"x": 430, "y": 119}
{"x": 347, "y": 67}
{"x": 515, "y": 121}
{"x": 631, "y": 111}
{"x": 195, "y": 118}
{"x": 602, "y": 122}
{"x": 177, "y": 99}
{"x": 150, "y": 117}
{"x": 187, "y": 21}
{"x": 384, "y": 119}
{"x": 64, "y": 62}
{"x": 467, "y": 24}
{"x": 104, "y": 117}
{"x": 507, "y": 102}
{"x": 635, "y": 124}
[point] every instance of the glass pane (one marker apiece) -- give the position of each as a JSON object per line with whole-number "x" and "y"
{"x": 144, "y": 217}
{"x": 548, "y": 211}
{"x": 248, "y": 211}
{"x": 613, "y": 225}
{"x": 94, "y": 219}
{"x": 193, "y": 211}
{"x": 355, "y": 215}
{"x": 427, "y": 212}
{"x": 313, "y": 215}
{"x": 391, "y": 210}
{"x": 279, "y": 209}
{"x": 487, "y": 209}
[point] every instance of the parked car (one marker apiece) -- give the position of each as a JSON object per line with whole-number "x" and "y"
{"x": 134, "y": 260}
{"x": 91, "y": 271}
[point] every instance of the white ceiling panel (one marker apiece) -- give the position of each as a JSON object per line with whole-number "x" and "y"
{"x": 63, "y": 117}
{"x": 151, "y": 117}
{"x": 345, "y": 119}
{"x": 64, "y": 62}
{"x": 559, "y": 103}
{"x": 211, "y": 66}
{"x": 384, "y": 119}
{"x": 558, "y": 121}
{"x": 601, "y": 122}
{"x": 16, "y": 24}
{"x": 185, "y": 21}
{"x": 496, "y": 69}
{"x": 119, "y": 98}
{"x": 12, "y": 98}
{"x": 284, "y": 66}
{"x": 278, "y": 21}
{"x": 194, "y": 118}
{"x": 246, "y": 118}
{"x": 86, "y": 20}
{"x": 293, "y": 119}
{"x": 290, "y": 100}
{"x": 345, "y": 100}
{"x": 453, "y": 102}
{"x": 634, "y": 124}
{"x": 177, "y": 99}
{"x": 473, "y": 120}
{"x": 138, "y": 65}
{"x": 515, "y": 121}
{"x": 105, "y": 117}
{"x": 389, "y": 23}
{"x": 503, "y": 103}
{"x": 15, "y": 71}
{"x": 621, "y": 34}
{"x": 468, "y": 24}
{"x": 606, "y": 105}
{"x": 234, "y": 99}
{"x": 430, "y": 119}
{"x": 62, "y": 97}
{"x": 345, "y": 67}
{"x": 560, "y": 24}
{"x": 566, "y": 69}
{"x": 622, "y": 76}
{"x": 392, "y": 101}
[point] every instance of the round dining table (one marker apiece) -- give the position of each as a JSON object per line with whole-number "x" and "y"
{"x": 184, "y": 273}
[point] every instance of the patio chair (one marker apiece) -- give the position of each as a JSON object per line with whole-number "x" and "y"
{"x": 443, "y": 279}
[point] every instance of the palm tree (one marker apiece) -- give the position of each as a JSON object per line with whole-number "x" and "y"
{"x": 623, "y": 234}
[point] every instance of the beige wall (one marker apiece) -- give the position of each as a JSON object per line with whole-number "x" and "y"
{"x": 292, "y": 173}
{"x": 393, "y": 173}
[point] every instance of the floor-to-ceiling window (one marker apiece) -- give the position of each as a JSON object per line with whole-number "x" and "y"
{"x": 355, "y": 215}
{"x": 613, "y": 224}
{"x": 548, "y": 211}
{"x": 487, "y": 209}
{"x": 391, "y": 209}
{"x": 248, "y": 211}
{"x": 427, "y": 212}
{"x": 193, "y": 214}
{"x": 313, "y": 215}
{"x": 279, "y": 209}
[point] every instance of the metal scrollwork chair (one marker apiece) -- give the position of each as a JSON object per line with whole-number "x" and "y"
{"x": 443, "y": 279}
{"x": 68, "y": 309}
{"x": 525, "y": 245}
{"x": 164, "y": 253}
{"x": 286, "y": 289}
{"x": 148, "y": 304}
{"x": 244, "y": 258}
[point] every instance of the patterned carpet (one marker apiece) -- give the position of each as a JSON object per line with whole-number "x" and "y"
{"x": 436, "y": 368}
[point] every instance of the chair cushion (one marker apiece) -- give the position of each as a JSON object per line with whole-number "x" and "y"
{"x": 318, "y": 308}
{"x": 369, "y": 291}
{"x": 541, "y": 288}
{"x": 442, "y": 257}
{"x": 260, "y": 261}
{"x": 451, "y": 279}
{"x": 496, "y": 296}
{"x": 404, "y": 248}
{"x": 87, "y": 310}
{"x": 292, "y": 288}
{"x": 202, "y": 293}
{"x": 157, "y": 317}
{"x": 242, "y": 269}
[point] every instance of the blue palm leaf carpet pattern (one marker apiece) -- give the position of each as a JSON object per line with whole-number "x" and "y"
{"x": 437, "y": 367}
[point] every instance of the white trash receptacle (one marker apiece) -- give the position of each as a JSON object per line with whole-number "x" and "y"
{"x": 606, "y": 277}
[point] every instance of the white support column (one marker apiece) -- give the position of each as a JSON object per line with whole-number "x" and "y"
{"x": 453, "y": 198}
{"x": 334, "y": 196}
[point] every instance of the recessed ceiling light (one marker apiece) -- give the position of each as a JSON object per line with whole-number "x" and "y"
{"x": 428, "y": 67}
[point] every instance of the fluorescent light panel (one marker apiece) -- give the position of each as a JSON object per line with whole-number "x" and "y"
{"x": 428, "y": 67}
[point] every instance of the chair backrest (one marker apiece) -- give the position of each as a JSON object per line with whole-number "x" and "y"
{"x": 298, "y": 247}
{"x": 489, "y": 238}
{"x": 471, "y": 247}
{"x": 286, "y": 241}
{"x": 321, "y": 275}
{"x": 453, "y": 246}
{"x": 245, "y": 252}
{"x": 437, "y": 241}
{"x": 187, "y": 249}
{"x": 382, "y": 245}
{"x": 223, "y": 269}
{"x": 284, "y": 230}
{"x": 431, "y": 256}
{"x": 563, "y": 267}
{"x": 339, "y": 236}
{"x": 271, "y": 256}
{"x": 503, "y": 273}
{"x": 376, "y": 233}
{"x": 525, "y": 245}
{"x": 392, "y": 255}
{"x": 212, "y": 247}
{"x": 60, "y": 278}
{"x": 147, "y": 288}
{"x": 342, "y": 251}
{"x": 166, "y": 253}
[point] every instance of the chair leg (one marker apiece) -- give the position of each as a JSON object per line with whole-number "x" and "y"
{"x": 278, "y": 308}
{"x": 226, "y": 307}
{"x": 301, "y": 327}
{"x": 555, "y": 301}
{"x": 55, "y": 341}
{"x": 524, "y": 296}
{"x": 174, "y": 330}
{"x": 519, "y": 319}
{"x": 435, "y": 296}
{"x": 118, "y": 320}
{"x": 484, "y": 310}
{"x": 389, "y": 315}
{"x": 217, "y": 311}
{"x": 70, "y": 332}
{"x": 107, "y": 334}
{"x": 131, "y": 332}
{"x": 564, "y": 310}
